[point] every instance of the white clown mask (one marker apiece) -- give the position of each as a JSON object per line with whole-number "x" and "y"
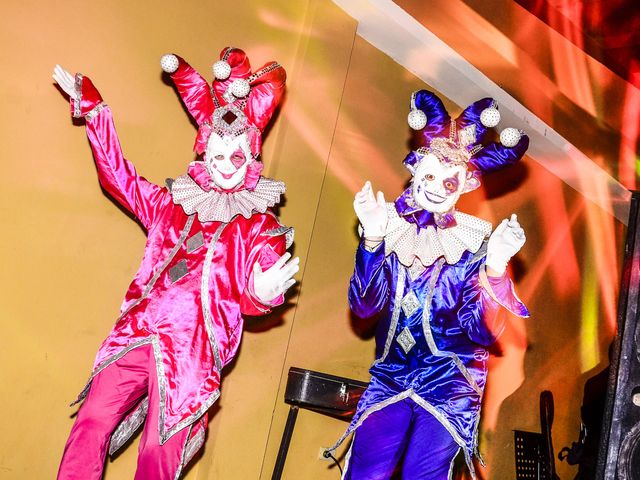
{"x": 227, "y": 160}
{"x": 437, "y": 185}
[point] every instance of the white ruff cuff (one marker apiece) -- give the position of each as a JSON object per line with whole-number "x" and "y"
{"x": 216, "y": 206}
{"x": 431, "y": 243}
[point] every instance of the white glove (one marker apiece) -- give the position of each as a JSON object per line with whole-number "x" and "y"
{"x": 66, "y": 81}
{"x": 504, "y": 243}
{"x": 273, "y": 282}
{"x": 371, "y": 211}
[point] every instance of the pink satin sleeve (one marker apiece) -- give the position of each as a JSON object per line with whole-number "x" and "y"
{"x": 118, "y": 176}
{"x": 194, "y": 91}
{"x": 266, "y": 250}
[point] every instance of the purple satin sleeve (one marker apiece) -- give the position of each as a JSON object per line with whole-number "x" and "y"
{"x": 118, "y": 176}
{"x": 481, "y": 301}
{"x": 369, "y": 285}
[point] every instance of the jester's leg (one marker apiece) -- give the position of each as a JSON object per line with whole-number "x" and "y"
{"x": 114, "y": 392}
{"x": 379, "y": 442}
{"x": 430, "y": 449}
{"x": 155, "y": 461}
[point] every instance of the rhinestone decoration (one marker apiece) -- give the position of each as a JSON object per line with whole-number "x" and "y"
{"x": 490, "y": 117}
{"x": 406, "y": 340}
{"x": 221, "y": 70}
{"x": 229, "y": 117}
{"x": 509, "y": 137}
{"x": 416, "y": 269}
{"x": 240, "y": 88}
{"x": 467, "y": 135}
{"x": 410, "y": 304}
{"x": 417, "y": 119}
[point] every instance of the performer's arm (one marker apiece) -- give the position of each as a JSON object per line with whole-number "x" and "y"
{"x": 368, "y": 289}
{"x": 369, "y": 285}
{"x": 270, "y": 270}
{"x": 488, "y": 287}
{"x": 117, "y": 175}
{"x": 482, "y": 299}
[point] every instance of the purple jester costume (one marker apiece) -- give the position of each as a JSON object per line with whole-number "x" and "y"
{"x": 426, "y": 276}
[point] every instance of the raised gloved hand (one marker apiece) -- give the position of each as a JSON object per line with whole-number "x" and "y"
{"x": 66, "y": 82}
{"x": 277, "y": 279}
{"x": 371, "y": 211}
{"x": 504, "y": 243}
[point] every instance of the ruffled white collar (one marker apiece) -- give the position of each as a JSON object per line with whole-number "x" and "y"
{"x": 216, "y": 206}
{"x": 428, "y": 244}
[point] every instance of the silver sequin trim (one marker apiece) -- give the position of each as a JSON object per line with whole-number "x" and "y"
{"x": 206, "y": 297}
{"x": 453, "y": 461}
{"x": 395, "y": 315}
{"x": 193, "y": 446}
{"x": 347, "y": 459}
{"x": 77, "y": 111}
{"x": 447, "y": 425}
{"x": 95, "y": 111}
{"x": 288, "y": 233}
{"x": 426, "y": 326}
{"x": 374, "y": 408}
{"x": 182, "y": 455}
{"x": 128, "y": 427}
{"x": 154, "y": 279}
{"x": 106, "y": 363}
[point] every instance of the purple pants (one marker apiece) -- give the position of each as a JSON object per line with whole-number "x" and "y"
{"x": 114, "y": 392}
{"x": 401, "y": 438}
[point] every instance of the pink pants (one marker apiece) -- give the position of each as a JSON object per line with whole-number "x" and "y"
{"x": 114, "y": 392}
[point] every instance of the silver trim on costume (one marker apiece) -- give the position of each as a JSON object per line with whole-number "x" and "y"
{"x": 154, "y": 279}
{"x": 347, "y": 459}
{"x": 182, "y": 455}
{"x": 95, "y": 111}
{"x": 129, "y": 426}
{"x": 193, "y": 446}
{"x": 428, "y": 335}
{"x": 372, "y": 409}
{"x": 438, "y": 415}
{"x": 205, "y": 296}
{"x": 453, "y": 461}
{"x": 106, "y": 363}
{"x": 450, "y": 428}
{"x": 77, "y": 86}
{"x": 395, "y": 315}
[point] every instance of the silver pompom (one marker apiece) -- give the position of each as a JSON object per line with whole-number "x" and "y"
{"x": 240, "y": 88}
{"x": 417, "y": 119}
{"x": 509, "y": 137}
{"x": 490, "y": 117}
{"x": 169, "y": 63}
{"x": 221, "y": 70}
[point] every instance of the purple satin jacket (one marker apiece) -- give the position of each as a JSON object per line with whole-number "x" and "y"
{"x": 432, "y": 339}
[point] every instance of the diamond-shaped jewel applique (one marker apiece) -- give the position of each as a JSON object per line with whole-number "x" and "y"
{"x": 229, "y": 117}
{"x": 416, "y": 269}
{"x": 406, "y": 340}
{"x": 410, "y": 304}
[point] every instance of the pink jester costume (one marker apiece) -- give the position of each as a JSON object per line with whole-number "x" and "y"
{"x": 181, "y": 320}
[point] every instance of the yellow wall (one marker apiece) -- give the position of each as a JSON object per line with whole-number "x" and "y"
{"x": 69, "y": 253}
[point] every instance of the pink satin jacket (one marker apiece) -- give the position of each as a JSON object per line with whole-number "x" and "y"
{"x": 188, "y": 297}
